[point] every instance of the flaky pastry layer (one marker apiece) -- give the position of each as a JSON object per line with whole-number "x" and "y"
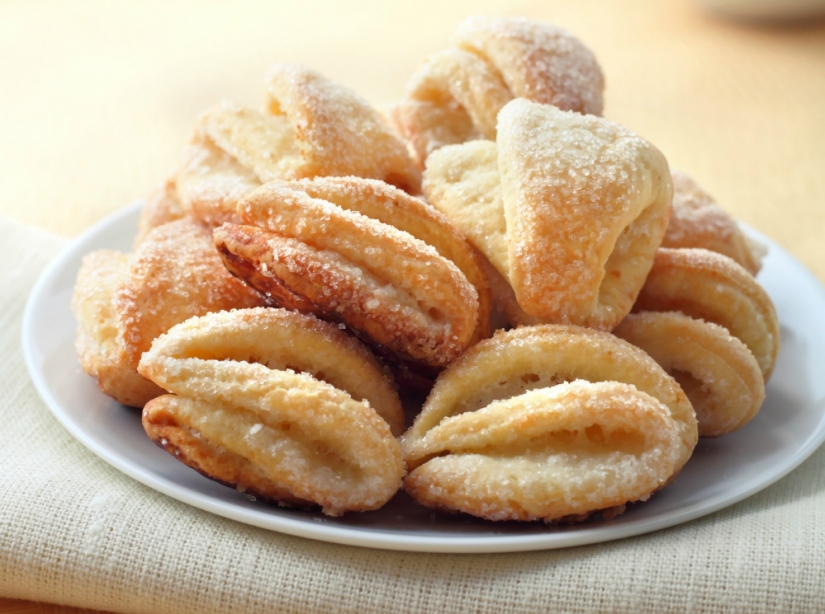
{"x": 457, "y": 93}
{"x": 258, "y": 390}
{"x": 709, "y": 286}
{"x": 506, "y": 413}
{"x": 718, "y": 372}
{"x": 324, "y": 256}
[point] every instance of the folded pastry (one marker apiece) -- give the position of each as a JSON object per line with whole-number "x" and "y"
{"x": 569, "y": 209}
{"x": 548, "y": 422}
{"x": 124, "y": 302}
{"x": 718, "y": 372}
{"x": 97, "y": 346}
{"x": 697, "y": 221}
{"x": 278, "y": 405}
{"x": 709, "y": 286}
{"x": 161, "y": 207}
{"x": 455, "y": 96}
{"x": 310, "y": 127}
{"x": 366, "y": 255}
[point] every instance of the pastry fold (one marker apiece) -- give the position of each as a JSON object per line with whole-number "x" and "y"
{"x": 279, "y": 405}
{"x": 717, "y": 371}
{"x": 392, "y": 270}
{"x": 569, "y": 209}
{"x": 123, "y": 302}
{"x": 548, "y": 422}
{"x": 710, "y": 286}
{"x": 456, "y": 94}
{"x": 310, "y": 126}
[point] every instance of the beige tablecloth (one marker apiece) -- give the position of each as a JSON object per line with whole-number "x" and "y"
{"x": 96, "y": 100}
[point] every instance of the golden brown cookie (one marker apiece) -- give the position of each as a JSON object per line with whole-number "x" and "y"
{"x": 176, "y": 273}
{"x": 122, "y": 302}
{"x": 100, "y": 354}
{"x": 325, "y": 247}
{"x": 717, "y": 371}
{"x": 310, "y": 127}
{"x": 547, "y": 422}
{"x": 279, "y": 405}
{"x": 697, "y": 221}
{"x": 709, "y": 286}
{"x": 456, "y": 94}
{"x": 569, "y": 209}
{"x": 337, "y": 132}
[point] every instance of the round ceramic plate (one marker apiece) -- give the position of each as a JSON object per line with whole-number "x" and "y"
{"x": 789, "y": 427}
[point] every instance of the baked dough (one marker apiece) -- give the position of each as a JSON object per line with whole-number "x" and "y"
{"x": 123, "y": 302}
{"x": 548, "y": 422}
{"x": 161, "y": 207}
{"x": 569, "y": 209}
{"x": 709, "y": 286}
{"x": 96, "y": 343}
{"x": 320, "y": 247}
{"x": 717, "y": 371}
{"x": 279, "y": 405}
{"x": 697, "y": 221}
{"x": 456, "y": 94}
{"x": 310, "y": 127}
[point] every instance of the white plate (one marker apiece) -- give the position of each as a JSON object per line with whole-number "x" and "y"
{"x": 790, "y": 426}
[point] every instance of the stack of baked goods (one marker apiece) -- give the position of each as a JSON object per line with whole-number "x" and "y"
{"x": 574, "y": 313}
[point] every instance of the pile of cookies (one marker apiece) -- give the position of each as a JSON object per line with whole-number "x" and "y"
{"x": 572, "y": 314}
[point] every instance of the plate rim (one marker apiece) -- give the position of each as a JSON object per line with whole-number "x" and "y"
{"x": 392, "y": 540}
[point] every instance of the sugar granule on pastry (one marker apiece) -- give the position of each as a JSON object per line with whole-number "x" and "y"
{"x": 456, "y": 94}
{"x": 716, "y": 370}
{"x": 279, "y": 405}
{"x": 323, "y": 256}
{"x": 546, "y": 422}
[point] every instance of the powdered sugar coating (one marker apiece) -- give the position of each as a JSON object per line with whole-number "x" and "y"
{"x": 586, "y": 203}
